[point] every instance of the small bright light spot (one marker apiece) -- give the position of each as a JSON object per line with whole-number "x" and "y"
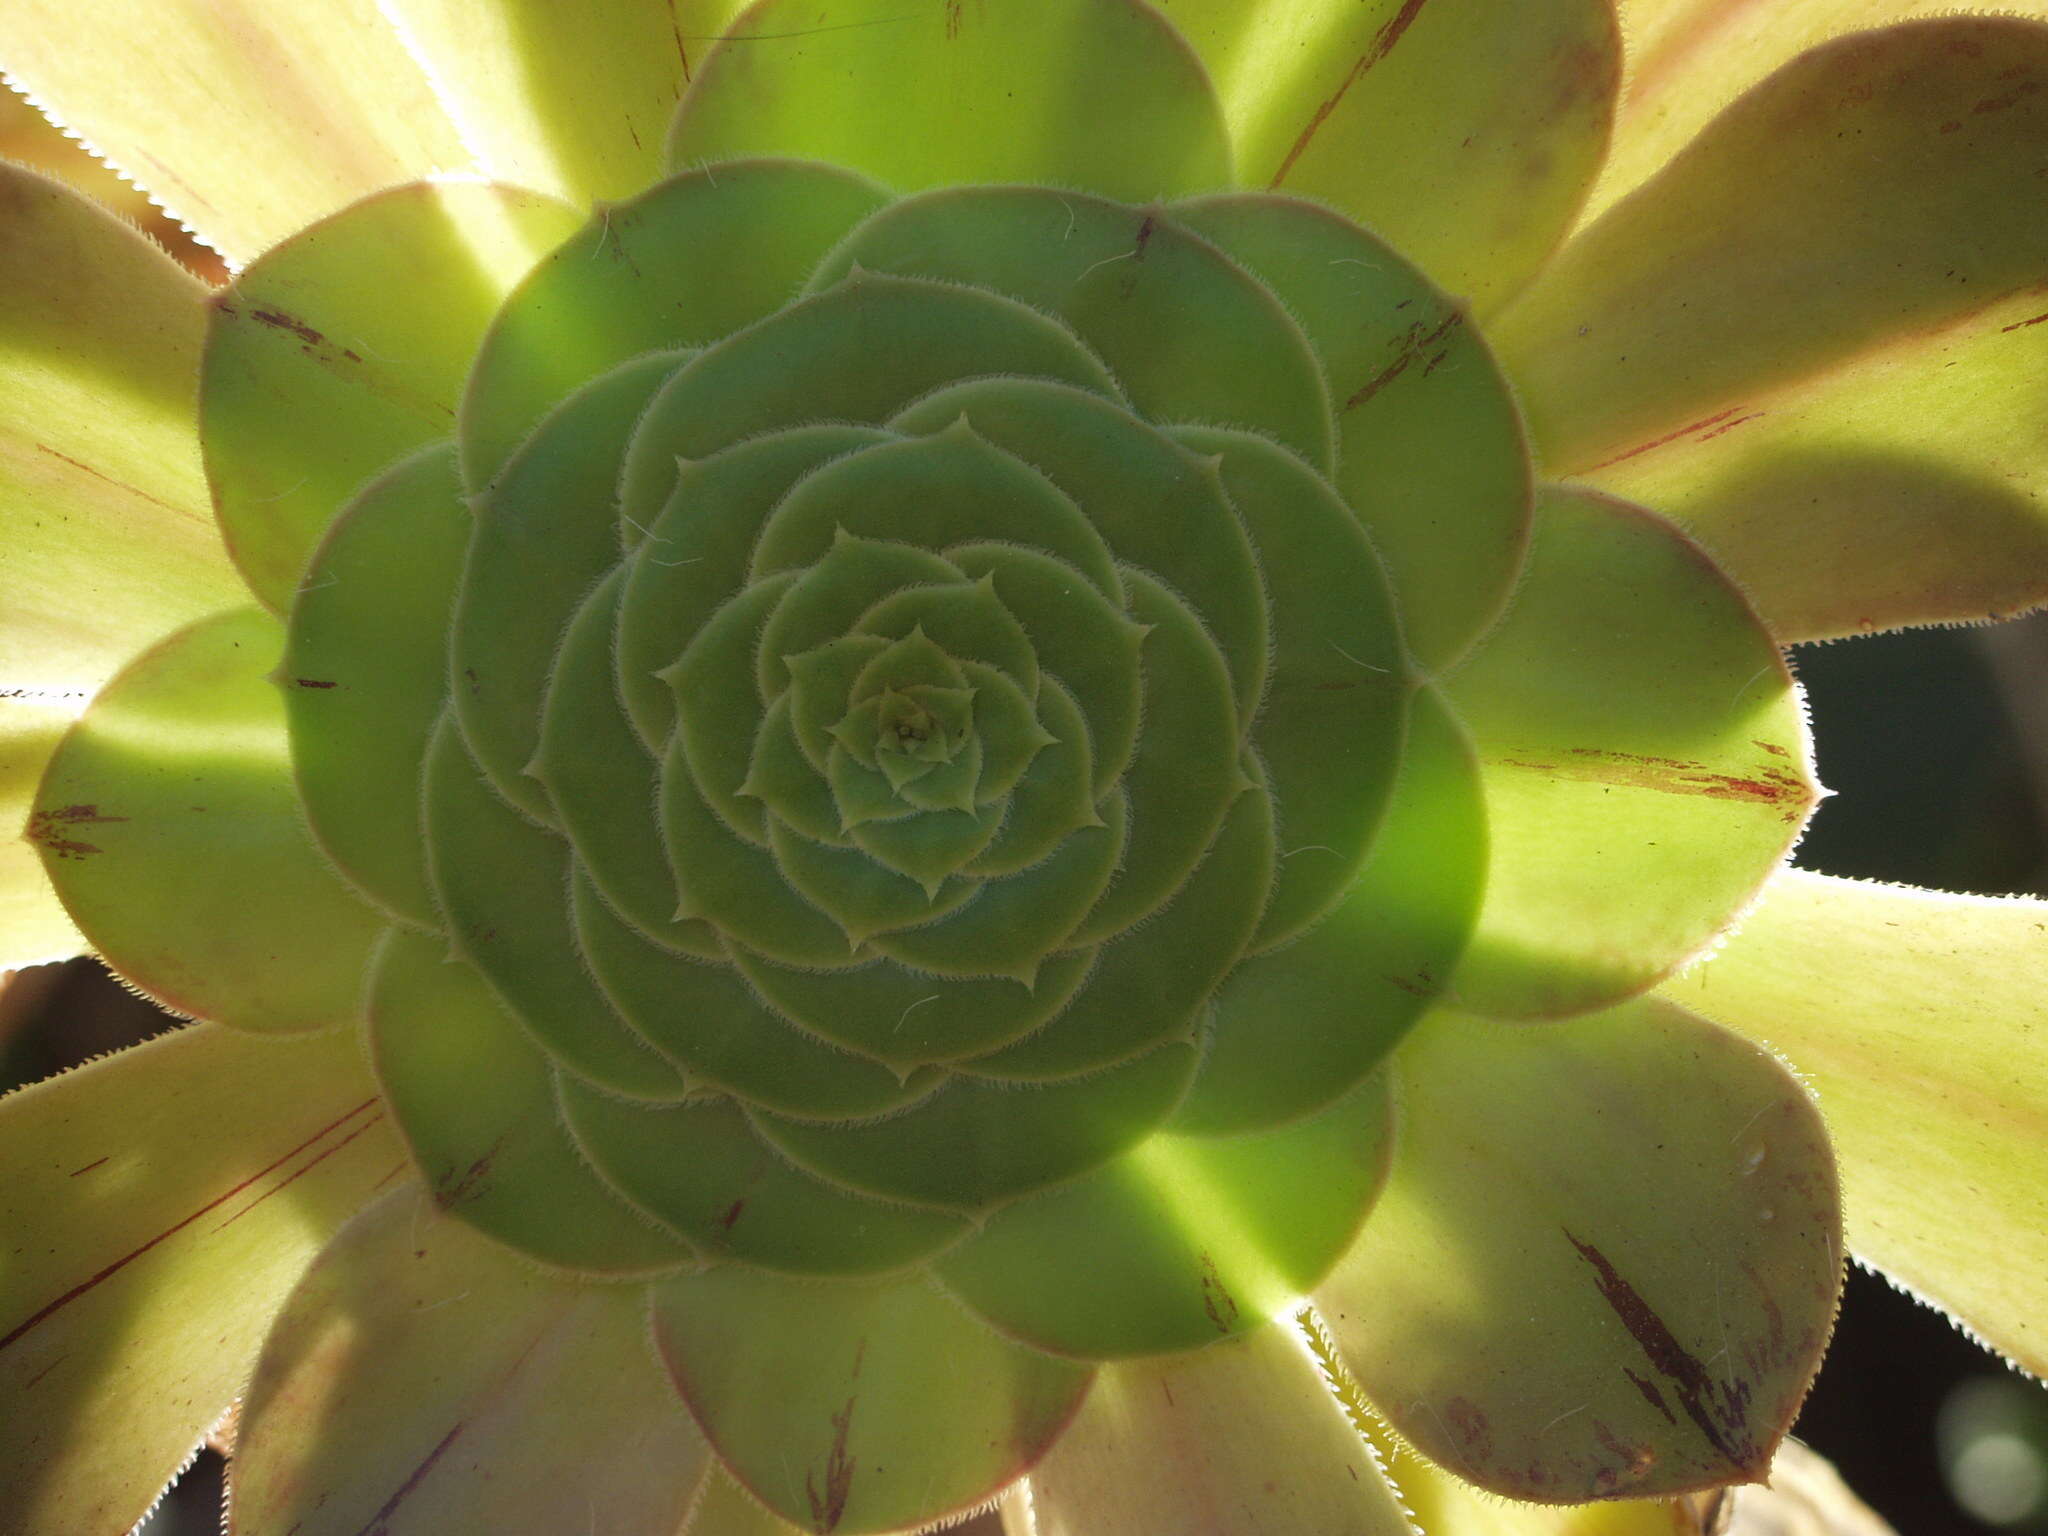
{"x": 2000, "y": 1479}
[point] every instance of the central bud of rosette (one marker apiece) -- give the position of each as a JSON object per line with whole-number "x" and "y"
{"x": 894, "y": 709}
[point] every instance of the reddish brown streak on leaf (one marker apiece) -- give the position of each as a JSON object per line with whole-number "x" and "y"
{"x": 380, "y": 1522}
{"x": 474, "y": 1179}
{"x": 1633, "y": 770}
{"x": 1419, "y": 338}
{"x": 828, "y": 1506}
{"x": 314, "y": 682}
{"x": 88, "y": 1168}
{"x": 171, "y": 1231}
{"x": 1668, "y": 437}
{"x": 675, "y": 28}
{"x": 2021, "y": 325}
{"x": 1650, "y": 1394}
{"x": 133, "y": 490}
{"x": 1382, "y": 44}
{"x": 39, "y": 1375}
{"x": 1732, "y": 425}
{"x": 303, "y": 1169}
{"x": 1145, "y": 233}
{"x": 731, "y": 1214}
{"x": 1217, "y": 1303}
{"x": 1715, "y": 1408}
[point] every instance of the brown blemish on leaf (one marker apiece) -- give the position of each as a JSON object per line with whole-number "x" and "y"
{"x": 1382, "y": 44}
{"x": 50, "y": 830}
{"x": 1635, "y": 1460}
{"x": 828, "y": 1505}
{"x": 380, "y": 1523}
{"x": 2020, "y": 325}
{"x": 731, "y": 1214}
{"x": 1717, "y": 1409}
{"x": 133, "y": 1254}
{"x": 952, "y": 20}
{"x": 1420, "y": 338}
{"x": 1146, "y": 230}
{"x": 1217, "y": 1302}
{"x": 1468, "y": 1421}
{"x": 1650, "y": 1394}
{"x": 473, "y": 1181}
{"x": 314, "y": 682}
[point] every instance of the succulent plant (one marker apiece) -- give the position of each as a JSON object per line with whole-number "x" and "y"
{"x": 950, "y": 752}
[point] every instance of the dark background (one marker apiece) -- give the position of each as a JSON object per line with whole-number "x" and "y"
{"x": 1936, "y": 743}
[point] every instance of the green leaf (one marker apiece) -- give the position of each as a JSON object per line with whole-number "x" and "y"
{"x": 1296, "y": 1027}
{"x": 417, "y": 1370}
{"x": 1645, "y": 759}
{"x": 1900, "y": 487}
{"x": 475, "y": 1100}
{"x": 171, "y": 829}
{"x": 689, "y": 261}
{"x": 1188, "y": 334}
{"x": 247, "y": 132}
{"x": 546, "y": 530}
{"x": 1902, "y": 196}
{"x": 1091, "y": 94}
{"x": 857, "y": 1407}
{"x": 1183, "y": 1239}
{"x": 1431, "y": 453}
{"x": 701, "y": 1169}
{"x": 1916, "y": 1016}
{"x": 1464, "y": 131}
{"x": 110, "y": 537}
{"x": 1242, "y": 1437}
{"x": 159, "y": 1204}
{"x": 34, "y": 927}
{"x": 973, "y": 1144}
{"x": 727, "y": 1509}
{"x": 1656, "y": 1198}
{"x": 365, "y": 675}
{"x": 502, "y": 886}
{"x": 344, "y": 348}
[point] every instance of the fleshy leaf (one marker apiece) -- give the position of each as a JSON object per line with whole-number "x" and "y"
{"x": 694, "y": 259}
{"x": 416, "y": 1369}
{"x": 1465, "y": 131}
{"x": 572, "y": 101}
{"x": 345, "y": 348}
{"x": 1902, "y": 195}
{"x": 34, "y": 927}
{"x": 1901, "y": 487}
{"x": 1917, "y": 1017}
{"x": 245, "y": 128}
{"x": 1183, "y": 1239}
{"x": 1645, "y": 758}
{"x": 1658, "y": 1198}
{"x": 1242, "y": 1437}
{"x": 1091, "y": 94}
{"x": 110, "y": 539}
{"x": 885, "y": 1404}
{"x": 1296, "y": 1027}
{"x": 475, "y": 1100}
{"x": 365, "y": 674}
{"x": 158, "y": 1206}
{"x": 170, "y": 826}
{"x": 1431, "y": 453}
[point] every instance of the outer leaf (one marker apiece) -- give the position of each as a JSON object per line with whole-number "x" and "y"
{"x": 857, "y": 1407}
{"x": 345, "y": 348}
{"x": 1903, "y": 487}
{"x": 1240, "y": 1439}
{"x": 570, "y": 99}
{"x": 1903, "y": 193}
{"x": 727, "y": 1509}
{"x": 1658, "y": 1199}
{"x": 416, "y": 1384}
{"x": 34, "y": 926}
{"x": 246, "y": 124}
{"x": 1098, "y": 95}
{"x": 1917, "y": 1017}
{"x": 109, "y": 537}
{"x": 158, "y": 1205}
{"x": 1645, "y": 759}
{"x": 169, "y": 825}
{"x": 1464, "y": 131}
{"x": 1688, "y": 59}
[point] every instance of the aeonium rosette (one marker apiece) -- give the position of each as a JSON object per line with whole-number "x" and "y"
{"x": 1000, "y": 795}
